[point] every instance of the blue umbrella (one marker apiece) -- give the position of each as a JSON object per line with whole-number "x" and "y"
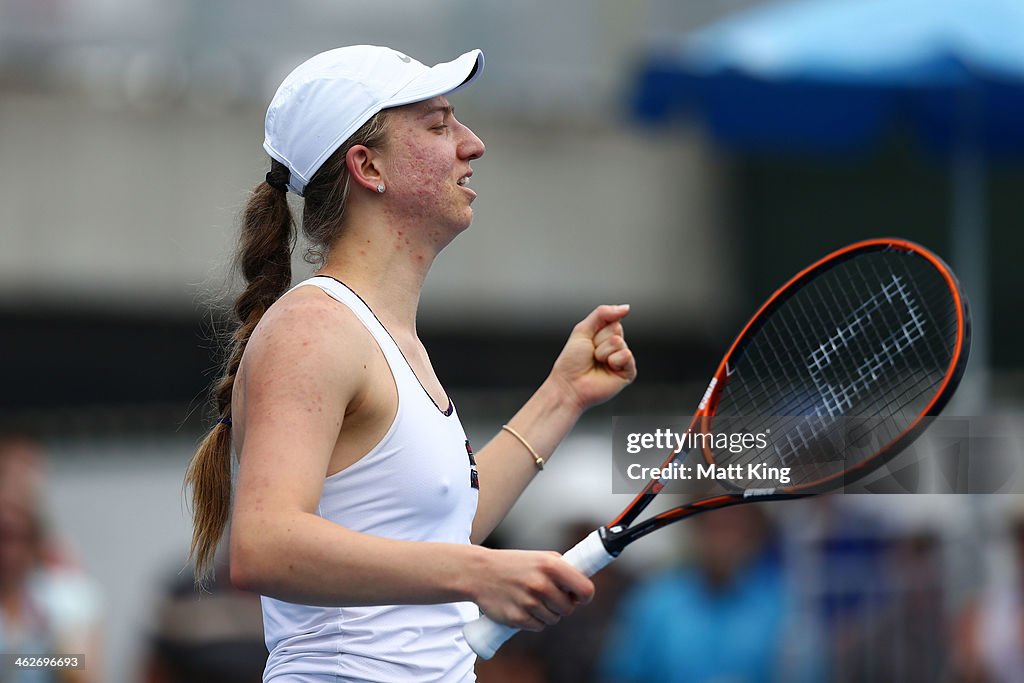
{"x": 835, "y": 75}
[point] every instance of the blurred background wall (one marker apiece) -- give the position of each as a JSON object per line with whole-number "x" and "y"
{"x": 130, "y": 134}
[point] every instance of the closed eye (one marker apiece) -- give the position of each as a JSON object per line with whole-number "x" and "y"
{"x": 445, "y": 110}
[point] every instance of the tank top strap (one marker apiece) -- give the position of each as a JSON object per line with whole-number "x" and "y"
{"x": 341, "y": 292}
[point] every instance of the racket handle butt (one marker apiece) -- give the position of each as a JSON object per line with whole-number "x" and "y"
{"x": 486, "y": 636}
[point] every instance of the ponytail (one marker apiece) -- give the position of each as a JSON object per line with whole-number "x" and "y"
{"x": 264, "y": 259}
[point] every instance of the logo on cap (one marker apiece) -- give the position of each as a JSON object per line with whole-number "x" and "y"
{"x": 404, "y": 58}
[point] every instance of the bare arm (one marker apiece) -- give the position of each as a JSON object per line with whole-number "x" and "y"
{"x": 595, "y": 364}
{"x": 304, "y": 372}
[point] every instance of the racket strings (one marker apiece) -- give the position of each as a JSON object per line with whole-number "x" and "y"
{"x": 831, "y": 435}
{"x": 871, "y": 338}
{"x": 820, "y": 438}
{"x": 900, "y": 395}
{"x": 852, "y": 382}
{"x": 937, "y": 361}
{"x": 896, "y": 396}
{"x": 770, "y": 391}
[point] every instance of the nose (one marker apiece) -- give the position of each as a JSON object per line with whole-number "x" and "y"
{"x": 470, "y": 147}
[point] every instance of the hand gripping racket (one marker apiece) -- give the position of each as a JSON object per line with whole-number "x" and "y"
{"x": 876, "y": 334}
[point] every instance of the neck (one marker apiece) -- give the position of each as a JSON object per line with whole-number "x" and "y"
{"x": 386, "y": 264}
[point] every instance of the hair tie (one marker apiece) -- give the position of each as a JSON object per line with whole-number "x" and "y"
{"x": 276, "y": 184}
{"x": 226, "y": 421}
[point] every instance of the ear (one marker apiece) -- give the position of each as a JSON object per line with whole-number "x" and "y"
{"x": 364, "y": 166}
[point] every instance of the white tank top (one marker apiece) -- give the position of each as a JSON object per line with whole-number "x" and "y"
{"x": 417, "y": 484}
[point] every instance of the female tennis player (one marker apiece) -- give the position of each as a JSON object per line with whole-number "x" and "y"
{"x": 358, "y": 499}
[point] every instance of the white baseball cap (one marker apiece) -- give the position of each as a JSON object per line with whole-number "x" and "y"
{"x": 328, "y": 97}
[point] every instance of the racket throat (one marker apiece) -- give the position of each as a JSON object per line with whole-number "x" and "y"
{"x": 613, "y": 539}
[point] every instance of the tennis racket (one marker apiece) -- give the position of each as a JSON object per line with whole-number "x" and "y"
{"x": 876, "y": 334}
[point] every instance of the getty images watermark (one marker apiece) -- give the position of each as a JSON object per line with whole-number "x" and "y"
{"x": 951, "y": 454}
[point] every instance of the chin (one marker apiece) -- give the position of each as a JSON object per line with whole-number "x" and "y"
{"x": 457, "y": 231}
{"x": 463, "y": 222}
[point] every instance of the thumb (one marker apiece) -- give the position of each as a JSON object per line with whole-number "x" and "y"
{"x": 600, "y": 317}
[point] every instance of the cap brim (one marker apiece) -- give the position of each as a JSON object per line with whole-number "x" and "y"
{"x": 440, "y": 79}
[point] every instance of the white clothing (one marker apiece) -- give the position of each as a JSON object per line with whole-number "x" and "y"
{"x": 414, "y": 485}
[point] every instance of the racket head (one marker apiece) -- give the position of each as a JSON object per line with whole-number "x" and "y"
{"x": 874, "y": 336}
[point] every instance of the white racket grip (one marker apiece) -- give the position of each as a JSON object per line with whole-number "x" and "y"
{"x": 486, "y": 636}
{"x": 589, "y": 555}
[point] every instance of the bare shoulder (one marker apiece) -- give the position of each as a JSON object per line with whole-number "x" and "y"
{"x": 307, "y": 332}
{"x": 302, "y": 371}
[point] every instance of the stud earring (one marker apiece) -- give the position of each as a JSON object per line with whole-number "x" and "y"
{"x": 380, "y": 188}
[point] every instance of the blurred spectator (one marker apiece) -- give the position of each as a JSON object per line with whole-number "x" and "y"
{"x": 837, "y": 566}
{"x": 724, "y": 618}
{"x": 47, "y": 605}
{"x": 906, "y": 640}
{"x": 990, "y": 637}
{"x": 214, "y": 636}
